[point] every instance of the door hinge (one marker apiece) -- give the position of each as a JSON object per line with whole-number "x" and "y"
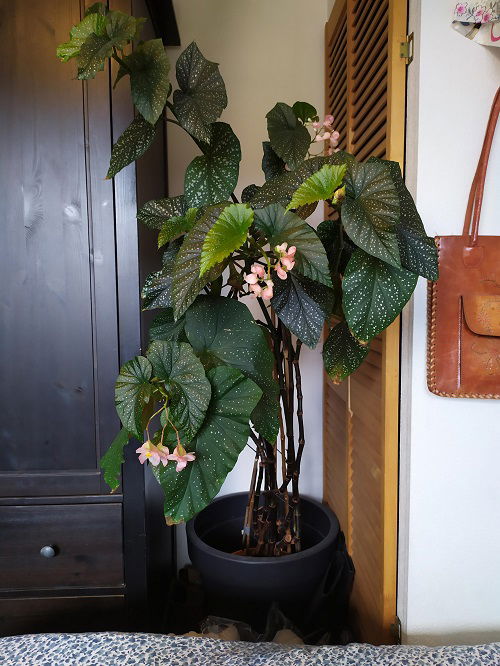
{"x": 396, "y": 630}
{"x": 406, "y": 49}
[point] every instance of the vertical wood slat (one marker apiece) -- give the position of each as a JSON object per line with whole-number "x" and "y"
{"x": 362, "y": 414}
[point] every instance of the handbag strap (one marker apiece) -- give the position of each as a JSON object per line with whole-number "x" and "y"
{"x": 475, "y": 202}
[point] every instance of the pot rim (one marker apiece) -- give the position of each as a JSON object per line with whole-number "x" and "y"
{"x": 247, "y": 559}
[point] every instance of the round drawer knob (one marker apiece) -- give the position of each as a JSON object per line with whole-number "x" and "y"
{"x": 48, "y": 551}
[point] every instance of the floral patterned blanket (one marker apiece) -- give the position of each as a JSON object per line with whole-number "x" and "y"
{"x": 117, "y": 649}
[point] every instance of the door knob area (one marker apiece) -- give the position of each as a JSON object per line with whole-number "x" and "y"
{"x": 48, "y": 551}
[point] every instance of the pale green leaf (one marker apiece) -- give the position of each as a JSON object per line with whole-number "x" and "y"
{"x": 227, "y": 234}
{"x": 320, "y": 186}
{"x": 92, "y": 23}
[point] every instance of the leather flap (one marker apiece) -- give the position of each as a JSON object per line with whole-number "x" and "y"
{"x": 482, "y": 313}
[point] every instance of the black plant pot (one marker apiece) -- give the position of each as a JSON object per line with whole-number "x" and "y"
{"x": 243, "y": 587}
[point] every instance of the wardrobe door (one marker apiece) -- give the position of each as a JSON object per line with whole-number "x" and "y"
{"x": 365, "y": 91}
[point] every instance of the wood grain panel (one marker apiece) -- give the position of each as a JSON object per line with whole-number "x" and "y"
{"x": 361, "y": 416}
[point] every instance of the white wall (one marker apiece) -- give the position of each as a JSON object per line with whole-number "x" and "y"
{"x": 449, "y": 573}
{"x": 269, "y": 51}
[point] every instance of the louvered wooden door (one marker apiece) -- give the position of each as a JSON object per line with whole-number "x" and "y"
{"x": 365, "y": 92}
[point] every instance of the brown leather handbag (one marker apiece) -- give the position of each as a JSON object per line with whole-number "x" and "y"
{"x": 463, "y": 358}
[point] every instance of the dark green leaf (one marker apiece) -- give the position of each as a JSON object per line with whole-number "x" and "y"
{"x": 148, "y": 67}
{"x": 188, "y": 388}
{"x": 164, "y": 327}
{"x": 280, "y": 226}
{"x": 133, "y": 392}
{"x": 133, "y": 143}
{"x": 223, "y": 331}
{"x": 154, "y": 214}
{"x": 374, "y": 294}
{"x": 272, "y": 165}
{"x": 217, "y": 445}
{"x": 176, "y": 226}
{"x": 111, "y": 462}
{"x": 371, "y": 211}
{"x": 97, "y": 8}
{"x": 289, "y": 139}
{"x": 418, "y": 251}
{"x": 281, "y": 188}
{"x": 202, "y": 95}
{"x": 157, "y": 289}
{"x": 338, "y": 246}
{"x": 342, "y": 353}
{"x": 212, "y": 177}
{"x": 187, "y": 283}
{"x": 249, "y": 192}
{"x": 302, "y": 305}
{"x": 93, "y": 54}
{"x": 305, "y": 112}
{"x": 320, "y": 186}
{"x": 227, "y": 234}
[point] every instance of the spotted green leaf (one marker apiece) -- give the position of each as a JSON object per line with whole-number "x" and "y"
{"x": 155, "y": 213}
{"x": 281, "y": 188}
{"x": 212, "y": 177}
{"x": 132, "y": 393}
{"x": 223, "y": 331}
{"x": 111, "y": 462}
{"x": 342, "y": 353}
{"x": 371, "y": 211}
{"x": 418, "y": 251}
{"x": 280, "y": 226}
{"x": 187, "y": 283}
{"x": 374, "y": 293}
{"x": 305, "y": 112}
{"x": 302, "y": 305}
{"x": 148, "y": 68}
{"x": 227, "y": 234}
{"x": 176, "y": 226}
{"x": 183, "y": 375}
{"x": 219, "y": 442}
{"x": 320, "y": 186}
{"x": 93, "y": 23}
{"x": 133, "y": 143}
{"x": 272, "y": 165}
{"x": 249, "y": 192}
{"x": 289, "y": 139}
{"x": 202, "y": 95}
{"x": 164, "y": 327}
{"x": 157, "y": 290}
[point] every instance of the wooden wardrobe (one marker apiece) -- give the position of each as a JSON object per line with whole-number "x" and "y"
{"x": 365, "y": 68}
{"x": 72, "y": 556}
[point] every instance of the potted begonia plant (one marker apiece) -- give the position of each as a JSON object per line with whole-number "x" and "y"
{"x": 215, "y": 378}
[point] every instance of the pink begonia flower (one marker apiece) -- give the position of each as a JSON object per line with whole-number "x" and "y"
{"x": 267, "y": 293}
{"x": 256, "y": 290}
{"x": 281, "y": 249}
{"x": 328, "y": 120}
{"x": 251, "y": 278}
{"x": 282, "y": 274}
{"x": 164, "y": 453}
{"x": 181, "y": 457}
{"x": 259, "y": 270}
{"x": 148, "y": 451}
{"x": 317, "y": 125}
{"x": 288, "y": 263}
{"x": 334, "y": 138}
{"x": 460, "y": 8}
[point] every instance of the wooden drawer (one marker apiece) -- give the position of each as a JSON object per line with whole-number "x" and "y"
{"x": 87, "y": 539}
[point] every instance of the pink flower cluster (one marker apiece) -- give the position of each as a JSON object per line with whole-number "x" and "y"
{"x": 479, "y": 13}
{"x": 160, "y": 453}
{"x": 325, "y": 132}
{"x": 259, "y": 281}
